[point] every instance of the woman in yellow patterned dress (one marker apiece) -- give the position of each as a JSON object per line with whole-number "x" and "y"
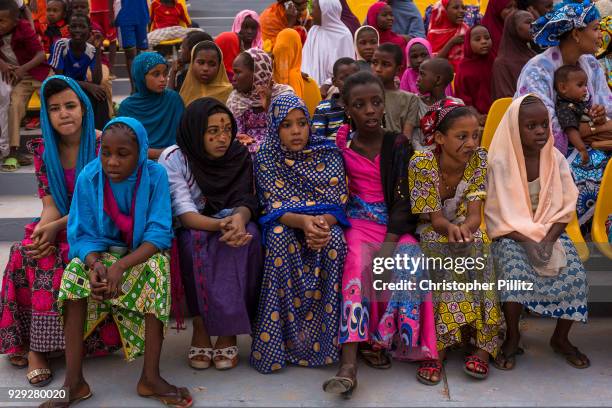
{"x": 447, "y": 187}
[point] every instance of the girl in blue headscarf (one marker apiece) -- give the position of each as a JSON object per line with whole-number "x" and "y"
{"x": 120, "y": 223}
{"x": 302, "y": 188}
{"x": 157, "y": 108}
{"x": 28, "y": 310}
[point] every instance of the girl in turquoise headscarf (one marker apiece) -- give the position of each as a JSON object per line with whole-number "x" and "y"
{"x": 29, "y": 319}
{"x": 120, "y": 223}
{"x": 157, "y": 108}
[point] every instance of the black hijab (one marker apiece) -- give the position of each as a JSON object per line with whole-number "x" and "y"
{"x": 226, "y": 182}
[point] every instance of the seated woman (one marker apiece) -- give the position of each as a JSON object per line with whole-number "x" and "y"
{"x": 531, "y": 197}
{"x": 571, "y": 33}
{"x": 157, "y": 108}
{"x": 302, "y": 187}
{"x": 213, "y": 196}
{"x": 206, "y": 76}
{"x": 448, "y": 187}
{"x": 380, "y": 217}
{"x": 120, "y": 222}
{"x": 254, "y": 90}
{"x": 29, "y": 319}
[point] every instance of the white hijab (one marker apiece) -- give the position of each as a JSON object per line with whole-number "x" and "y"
{"x": 327, "y": 43}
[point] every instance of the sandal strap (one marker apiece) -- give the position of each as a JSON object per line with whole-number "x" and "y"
{"x": 36, "y": 372}
{"x": 200, "y": 351}
{"x": 478, "y": 363}
{"x": 227, "y": 352}
{"x": 430, "y": 365}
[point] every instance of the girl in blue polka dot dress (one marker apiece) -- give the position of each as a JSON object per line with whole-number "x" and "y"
{"x": 302, "y": 189}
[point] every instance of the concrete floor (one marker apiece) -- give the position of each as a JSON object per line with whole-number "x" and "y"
{"x": 541, "y": 378}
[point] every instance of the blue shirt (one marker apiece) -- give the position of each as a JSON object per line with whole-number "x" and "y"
{"x": 62, "y": 58}
{"x": 132, "y": 12}
{"x": 328, "y": 118}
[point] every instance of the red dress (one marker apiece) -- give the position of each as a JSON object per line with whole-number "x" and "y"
{"x": 29, "y": 317}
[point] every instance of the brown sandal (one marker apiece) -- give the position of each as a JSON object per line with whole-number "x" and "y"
{"x": 63, "y": 404}
{"x": 18, "y": 360}
{"x": 376, "y": 358}
{"x": 572, "y": 356}
{"x": 341, "y": 385}
{"x": 179, "y": 398}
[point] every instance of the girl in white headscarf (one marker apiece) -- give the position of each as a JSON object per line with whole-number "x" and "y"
{"x": 328, "y": 40}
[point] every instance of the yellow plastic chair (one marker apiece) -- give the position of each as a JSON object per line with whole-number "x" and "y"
{"x": 495, "y": 115}
{"x": 34, "y": 102}
{"x": 603, "y": 208}
{"x": 573, "y": 231}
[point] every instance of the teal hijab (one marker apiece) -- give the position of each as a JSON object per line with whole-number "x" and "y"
{"x": 51, "y": 157}
{"x": 91, "y": 229}
{"x": 159, "y": 113}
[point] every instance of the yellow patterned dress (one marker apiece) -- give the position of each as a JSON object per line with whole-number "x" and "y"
{"x": 461, "y": 316}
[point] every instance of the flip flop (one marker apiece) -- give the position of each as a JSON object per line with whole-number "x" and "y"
{"x": 10, "y": 164}
{"x": 340, "y": 385}
{"x": 376, "y": 359}
{"x": 57, "y": 404}
{"x": 510, "y": 357}
{"x": 172, "y": 399}
{"x": 575, "y": 353}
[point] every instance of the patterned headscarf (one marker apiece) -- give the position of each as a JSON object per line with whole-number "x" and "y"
{"x": 548, "y": 29}
{"x": 239, "y": 102}
{"x": 606, "y": 30}
{"x": 434, "y": 116}
{"x": 311, "y": 181}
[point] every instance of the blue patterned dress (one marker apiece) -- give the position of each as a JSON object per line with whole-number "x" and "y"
{"x": 299, "y": 306}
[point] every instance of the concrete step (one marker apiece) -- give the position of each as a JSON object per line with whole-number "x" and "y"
{"x": 537, "y": 379}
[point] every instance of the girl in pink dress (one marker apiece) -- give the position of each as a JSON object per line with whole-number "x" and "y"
{"x": 376, "y": 166}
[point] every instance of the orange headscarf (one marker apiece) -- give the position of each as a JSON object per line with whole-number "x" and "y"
{"x": 287, "y": 54}
{"x": 508, "y": 206}
{"x": 273, "y": 20}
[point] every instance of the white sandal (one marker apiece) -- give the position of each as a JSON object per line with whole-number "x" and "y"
{"x": 229, "y": 358}
{"x": 200, "y": 351}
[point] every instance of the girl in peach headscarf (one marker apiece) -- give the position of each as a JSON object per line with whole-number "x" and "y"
{"x": 531, "y": 197}
{"x": 287, "y": 54}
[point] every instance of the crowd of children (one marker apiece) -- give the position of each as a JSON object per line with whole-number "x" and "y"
{"x": 262, "y": 172}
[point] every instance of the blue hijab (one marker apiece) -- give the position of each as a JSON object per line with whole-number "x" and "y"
{"x": 311, "y": 181}
{"x": 567, "y": 15}
{"x": 159, "y": 113}
{"x": 90, "y": 229}
{"x": 87, "y": 144}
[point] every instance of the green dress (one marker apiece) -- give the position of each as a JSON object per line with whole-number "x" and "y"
{"x": 145, "y": 288}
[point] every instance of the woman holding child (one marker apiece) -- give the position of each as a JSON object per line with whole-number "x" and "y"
{"x": 572, "y": 32}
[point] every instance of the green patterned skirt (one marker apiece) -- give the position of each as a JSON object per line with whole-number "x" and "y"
{"x": 145, "y": 288}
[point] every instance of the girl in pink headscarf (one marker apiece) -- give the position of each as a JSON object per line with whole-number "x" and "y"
{"x": 246, "y": 25}
{"x": 418, "y": 51}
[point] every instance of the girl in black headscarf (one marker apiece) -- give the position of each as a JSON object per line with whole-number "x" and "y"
{"x": 213, "y": 197}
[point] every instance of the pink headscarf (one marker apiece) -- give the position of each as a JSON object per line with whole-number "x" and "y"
{"x": 237, "y": 25}
{"x": 409, "y": 79}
